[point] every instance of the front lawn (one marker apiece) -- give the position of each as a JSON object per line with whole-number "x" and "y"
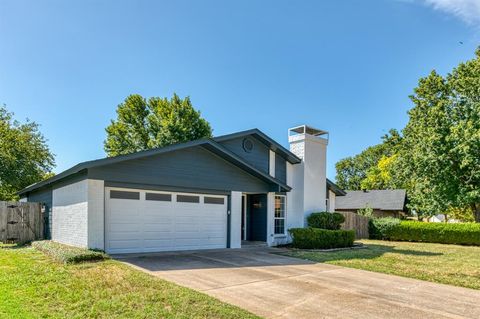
{"x": 34, "y": 286}
{"x": 447, "y": 264}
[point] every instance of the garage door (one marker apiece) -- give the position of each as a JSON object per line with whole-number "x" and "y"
{"x": 150, "y": 221}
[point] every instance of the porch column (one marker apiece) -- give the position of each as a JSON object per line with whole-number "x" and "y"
{"x": 236, "y": 220}
{"x": 270, "y": 218}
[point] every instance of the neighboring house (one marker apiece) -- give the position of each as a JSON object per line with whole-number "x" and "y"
{"x": 385, "y": 203}
{"x": 440, "y": 218}
{"x": 209, "y": 193}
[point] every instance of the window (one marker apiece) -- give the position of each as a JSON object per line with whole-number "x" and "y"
{"x": 124, "y": 195}
{"x": 158, "y": 197}
{"x": 188, "y": 199}
{"x": 279, "y": 221}
{"x": 213, "y": 200}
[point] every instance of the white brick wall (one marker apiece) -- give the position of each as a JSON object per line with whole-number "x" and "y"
{"x": 96, "y": 195}
{"x": 78, "y": 214}
{"x": 70, "y": 214}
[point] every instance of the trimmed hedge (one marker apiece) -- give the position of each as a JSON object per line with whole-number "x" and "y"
{"x": 316, "y": 238}
{"x": 443, "y": 233}
{"x": 67, "y": 254}
{"x": 378, "y": 228}
{"x": 325, "y": 220}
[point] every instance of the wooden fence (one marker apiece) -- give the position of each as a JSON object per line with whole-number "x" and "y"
{"x": 20, "y": 222}
{"x": 357, "y": 222}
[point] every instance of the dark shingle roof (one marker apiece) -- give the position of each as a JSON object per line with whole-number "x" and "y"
{"x": 335, "y": 188}
{"x": 377, "y": 199}
{"x": 210, "y": 144}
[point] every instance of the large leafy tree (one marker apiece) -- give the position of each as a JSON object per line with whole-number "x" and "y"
{"x": 155, "y": 122}
{"x": 24, "y": 155}
{"x": 352, "y": 171}
{"x": 442, "y": 141}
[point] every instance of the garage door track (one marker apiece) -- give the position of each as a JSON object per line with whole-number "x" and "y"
{"x": 275, "y": 286}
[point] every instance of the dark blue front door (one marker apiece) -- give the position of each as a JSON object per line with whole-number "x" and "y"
{"x": 257, "y": 217}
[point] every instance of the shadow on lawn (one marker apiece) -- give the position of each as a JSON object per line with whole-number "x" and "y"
{"x": 370, "y": 251}
{"x": 13, "y": 246}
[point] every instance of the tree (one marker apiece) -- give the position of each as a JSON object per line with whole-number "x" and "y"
{"x": 383, "y": 175}
{"x": 352, "y": 171}
{"x": 367, "y": 211}
{"x": 442, "y": 141}
{"x": 144, "y": 124}
{"x": 24, "y": 155}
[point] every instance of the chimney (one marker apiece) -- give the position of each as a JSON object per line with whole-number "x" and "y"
{"x": 310, "y": 177}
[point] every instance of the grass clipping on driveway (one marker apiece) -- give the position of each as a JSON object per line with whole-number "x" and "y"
{"x": 32, "y": 285}
{"x": 67, "y": 254}
{"x": 447, "y": 264}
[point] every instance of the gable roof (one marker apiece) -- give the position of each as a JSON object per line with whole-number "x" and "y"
{"x": 377, "y": 199}
{"x": 209, "y": 144}
{"x": 265, "y": 139}
{"x": 335, "y": 188}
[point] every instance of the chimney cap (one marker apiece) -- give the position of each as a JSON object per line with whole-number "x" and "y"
{"x": 305, "y": 129}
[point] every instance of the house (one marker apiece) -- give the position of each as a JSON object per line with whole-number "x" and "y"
{"x": 441, "y": 218}
{"x": 203, "y": 194}
{"x": 385, "y": 203}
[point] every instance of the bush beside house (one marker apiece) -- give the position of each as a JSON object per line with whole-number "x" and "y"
{"x": 323, "y": 232}
{"x": 325, "y": 220}
{"x": 316, "y": 238}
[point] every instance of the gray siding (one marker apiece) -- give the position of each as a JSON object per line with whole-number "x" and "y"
{"x": 258, "y": 157}
{"x": 44, "y": 196}
{"x": 280, "y": 169}
{"x": 194, "y": 167}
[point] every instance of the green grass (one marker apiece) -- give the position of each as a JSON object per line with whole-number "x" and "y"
{"x": 447, "y": 264}
{"x": 32, "y": 285}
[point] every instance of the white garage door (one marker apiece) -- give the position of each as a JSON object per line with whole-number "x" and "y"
{"x": 150, "y": 221}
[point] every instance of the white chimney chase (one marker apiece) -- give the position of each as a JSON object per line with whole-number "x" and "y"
{"x": 310, "y": 177}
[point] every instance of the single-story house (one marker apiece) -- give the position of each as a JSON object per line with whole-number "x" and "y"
{"x": 203, "y": 194}
{"x": 385, "y": 203}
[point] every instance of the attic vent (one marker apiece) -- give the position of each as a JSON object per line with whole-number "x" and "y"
{"x": 248, "y": 145}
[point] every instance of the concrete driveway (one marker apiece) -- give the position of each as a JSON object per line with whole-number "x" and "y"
{"x": 275, "y": 286}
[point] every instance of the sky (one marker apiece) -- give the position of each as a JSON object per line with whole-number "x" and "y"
{"x": 347, "y": 67}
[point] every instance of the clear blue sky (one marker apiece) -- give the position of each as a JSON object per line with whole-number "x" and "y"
{"x": 343, "y": 66}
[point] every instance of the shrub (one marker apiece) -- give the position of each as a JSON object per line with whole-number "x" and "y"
{"x": 367, "y": 212}
{"x": 316, "y": 238}
{"x": 67, "y": 254}
{"x": 443, "y": 233}
{"x": 325, "y": 220}
{"x": 378, "y": 228}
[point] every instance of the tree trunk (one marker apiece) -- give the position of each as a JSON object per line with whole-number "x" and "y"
{"x": 476, "y": 212}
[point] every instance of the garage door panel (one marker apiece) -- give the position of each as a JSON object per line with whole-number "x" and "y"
{"x": 124, "y": 227}
{"x": 166, "y": 243}
{"x": 161, "y": 225}
{"x": 154, "y": 235}
{"x": 125, "y": 244}
{"x": 158, "y": 227}
{"x": 123, "y": 236}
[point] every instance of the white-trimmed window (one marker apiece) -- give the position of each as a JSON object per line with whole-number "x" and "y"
{"x": 280, "y": 214}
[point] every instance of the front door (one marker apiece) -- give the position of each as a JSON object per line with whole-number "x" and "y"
{"x": 257, "y": 217}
